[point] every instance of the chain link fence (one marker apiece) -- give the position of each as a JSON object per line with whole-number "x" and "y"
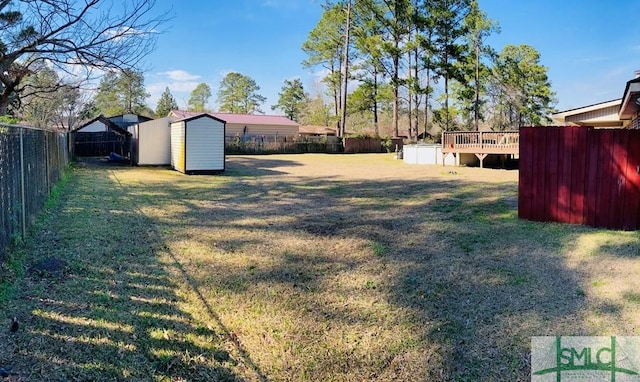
{"x": 31, "y": 162}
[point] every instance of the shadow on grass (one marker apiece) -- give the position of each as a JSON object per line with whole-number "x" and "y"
{"x": 475, "y": 280}
{"x": 256, "y": 166}
{"x": 113, "y": 312}
{"x": 431, "y": 279}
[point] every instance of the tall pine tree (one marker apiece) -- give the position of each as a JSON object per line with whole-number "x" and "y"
{"x": 448, "y": 23}
{"x": 166, "y": 103}
{"x": 292, "y": 99}
{"x": 474, "y": 68}
{"x": 121, "y": 93}
{"x": 239, "y": 94}
{"x": 199, "y": 97}
{"x": 522, "y": 89}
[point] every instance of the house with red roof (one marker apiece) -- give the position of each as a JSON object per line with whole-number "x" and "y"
{"x": 250, "y": 125}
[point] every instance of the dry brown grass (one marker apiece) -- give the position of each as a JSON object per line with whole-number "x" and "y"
{"x": 309, "y": 267}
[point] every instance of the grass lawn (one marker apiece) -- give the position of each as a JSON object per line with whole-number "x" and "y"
{"x": 305, "y": 268}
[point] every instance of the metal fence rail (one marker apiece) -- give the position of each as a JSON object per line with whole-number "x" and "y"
{"x": 31, "y": 162}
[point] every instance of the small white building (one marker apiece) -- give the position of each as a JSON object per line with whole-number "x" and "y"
{"x": 197, "y": 144}
{"x": 151, "y": 142}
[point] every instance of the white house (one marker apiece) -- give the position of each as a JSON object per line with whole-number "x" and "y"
{"x": 630, "y": 108}
{"x": 600, "y": 115}
{"x": 617, "y": 113}
{"x": 197, "y": 144}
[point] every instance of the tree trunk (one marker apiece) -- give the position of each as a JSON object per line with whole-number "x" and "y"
{"x": 396, "y": 103}
{"x": 426, "y": 102}
{"x": 446, "y": 101}
{"x": 345, "y": 75}
{"x": 476, "y": 106}
{"x": 375, "y": 101}
{"x": 446, "y": 84}
{"x": 4, "y": 104}
{"x": 409, "y": 97}
{"x": 416, "y": 94}
{"x": 336, "y": 89}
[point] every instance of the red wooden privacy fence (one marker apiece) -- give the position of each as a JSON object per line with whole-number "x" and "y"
{"x": 580, "y": 175}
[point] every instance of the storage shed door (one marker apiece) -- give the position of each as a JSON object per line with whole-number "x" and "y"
{"x": 205, "y": 145}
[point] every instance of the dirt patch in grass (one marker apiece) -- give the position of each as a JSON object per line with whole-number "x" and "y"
{"x": 308, "y": 267}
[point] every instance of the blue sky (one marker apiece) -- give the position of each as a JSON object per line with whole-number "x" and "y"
{"x": 590, "y": 47}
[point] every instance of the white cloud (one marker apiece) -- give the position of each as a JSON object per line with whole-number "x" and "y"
{"x": 180, "y": 82}
{"x": 174, "y": 87}
{"x": 180, "y": 75}
{"x": 597, "y": 59}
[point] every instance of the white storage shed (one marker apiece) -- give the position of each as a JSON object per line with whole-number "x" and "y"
{"x": 427, "y": 154}
{"x": 152, "y": 142}
{"x": 197, "y": 144}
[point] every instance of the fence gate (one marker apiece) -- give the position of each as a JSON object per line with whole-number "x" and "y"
{"x": 580, "y": 175}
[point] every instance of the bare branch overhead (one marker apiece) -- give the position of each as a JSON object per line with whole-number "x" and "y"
{"x": 98, "y": 34}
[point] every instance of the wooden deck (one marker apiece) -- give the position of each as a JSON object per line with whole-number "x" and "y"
{"x": 481, "y": 143}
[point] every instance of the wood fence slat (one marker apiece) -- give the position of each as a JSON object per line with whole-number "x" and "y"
{"x": 524, "y": 174}
{"x": 525, "y": 184}
{"x": 619, "y": 161}
{"x": 539, "y": 166}
{"x": 564, "y": 174}
{"x": 591, "y": 191}
{"x": 578, "y": 184}
{"x": 604, "y": 177}
{"x": 535, "y": 138}
{"x": 554, "y": 163}
{"x": 631, "y": 218}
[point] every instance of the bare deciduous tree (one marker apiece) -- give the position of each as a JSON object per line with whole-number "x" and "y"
{"x": 72, "y": 36}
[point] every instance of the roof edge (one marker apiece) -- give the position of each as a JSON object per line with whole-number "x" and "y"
{"x": 586, "y": 108}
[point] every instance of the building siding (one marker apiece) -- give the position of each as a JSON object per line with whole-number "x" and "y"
{"x": 205, "y": 145}
{"x": 234, "y": 129}
{"x": 178, "y": 146}
{"x": 601, "y": 115}
{"x": 154, "y": 142}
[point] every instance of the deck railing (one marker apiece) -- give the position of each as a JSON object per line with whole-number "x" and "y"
{"x": 479, "y": 142}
